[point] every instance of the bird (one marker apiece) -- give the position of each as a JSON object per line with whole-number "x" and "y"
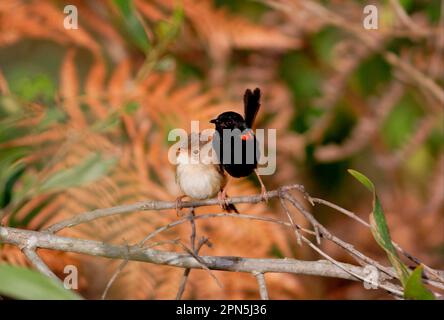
{"x": 197, "y": 174}
{"x": 238, "y": 149}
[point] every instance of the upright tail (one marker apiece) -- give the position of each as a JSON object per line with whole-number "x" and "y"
{"x": 251, "y": 105}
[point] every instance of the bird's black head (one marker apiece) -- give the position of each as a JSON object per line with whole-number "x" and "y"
{"x": 229, "y": 120}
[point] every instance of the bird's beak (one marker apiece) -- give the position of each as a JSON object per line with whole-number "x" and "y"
{"x": 213, "y": 121}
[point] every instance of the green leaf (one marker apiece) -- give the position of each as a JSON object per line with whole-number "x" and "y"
{"x": 32, "y": 87}
{"x": 11, "y": 168}
{"x": 132, "y": 23}
{"x": 402, "y": 121}
{"x": 89, "y": 170}
{"x": 168, "y": 30}
{"x": 382, "y": 236}
{"x": 415, "y": 289}
{"x": 380, "y": 231}
{"x": 23, "y": 283}
{"x": 363, "y": 179}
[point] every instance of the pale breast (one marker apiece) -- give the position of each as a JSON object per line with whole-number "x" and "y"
{"x": 199, "y": 181}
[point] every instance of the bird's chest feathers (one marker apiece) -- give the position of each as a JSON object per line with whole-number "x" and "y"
{"x": 199, "y": 181}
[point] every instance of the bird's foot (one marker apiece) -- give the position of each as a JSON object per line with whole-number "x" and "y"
{"x": 264, "y": 194}
{"x": 179, "y": 205}
{"x": 223, "y": 200}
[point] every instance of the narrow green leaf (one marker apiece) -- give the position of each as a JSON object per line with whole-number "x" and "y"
{"x": 23, "y": 283}
{"x": 415, "y": 289}
{"x": 132, "y": 23}
{"x": 89, "y": 170}
{"x": 380, "y": 229}
{"x": 363, "y": 179}
{"x": 107, "y": 124}
{"x": 382, "y": 236}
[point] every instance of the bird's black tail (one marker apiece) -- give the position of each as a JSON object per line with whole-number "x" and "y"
{"x": 251, "y": 105}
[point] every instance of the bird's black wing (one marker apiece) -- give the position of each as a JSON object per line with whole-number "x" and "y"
{"x": 251, "y": 105}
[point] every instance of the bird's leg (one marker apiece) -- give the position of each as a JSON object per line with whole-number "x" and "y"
{"x": 223, "y": 202}
{"x": 223, "y": 199}
{"x": 264, "y": 194}
{"x": 179, "y": 205}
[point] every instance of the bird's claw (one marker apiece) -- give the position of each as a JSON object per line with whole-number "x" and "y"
{"x": 226, "y": 206}
{"x": 223, "y": 200}
{"x": 179, "y": 205}
{"x": 264, "y": 194}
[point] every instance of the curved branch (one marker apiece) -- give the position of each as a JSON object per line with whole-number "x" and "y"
{"x": 162, "y": 205}
{"x": 46, "y": 240}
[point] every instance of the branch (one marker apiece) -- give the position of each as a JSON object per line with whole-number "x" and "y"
{"x": 45, "y": 240}
{"x": 38, "y": 263}
{"x": 187, "y": 271}
{"x": 161, "y": 205}
{"x": 262, "y": 285}
{"x": 189, "y": 260}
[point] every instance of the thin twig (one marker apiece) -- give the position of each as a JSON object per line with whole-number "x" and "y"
{"x": 396, "y": 290}
{"x": 187, "y": 271}
{"x": 316, "y": 225}
{"x": 342, "y": 210}
{"x": 201, "y": 263}
{"x": 430, "y": 272}
{"x": 160, "y": 205}
{"x": 193, "y": 231}
{"x": 219, "y": 215}
{"x": 263, "y": 292}
{"x": 38, "y": 263}
{"x": 114, "y": 277}
{"x": 295, "y": 226}
{"x": 123, "y": 264}
{"x": 360, "y": 257}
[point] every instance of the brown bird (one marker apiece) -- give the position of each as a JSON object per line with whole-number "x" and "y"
{"x": 198, "y": 175}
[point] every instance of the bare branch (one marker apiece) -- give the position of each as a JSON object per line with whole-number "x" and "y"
{"x": 323, "y": 268}
{"x": 290, "y": 218}
{"x": 160, "y": 205}
{"x": 38, "y": 263}
{"x": 262, "y": 285}
{"x": 201, "y": 263}
{"x": 190, "y": 259}
{"x": 187, "y": 271}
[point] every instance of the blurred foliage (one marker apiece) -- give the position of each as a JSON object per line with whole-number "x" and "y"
{"x": 22, "y": 283}
{"x": 84, "y": 116}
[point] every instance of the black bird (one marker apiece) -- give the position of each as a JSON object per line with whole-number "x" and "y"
{"x": 234, "y": 141}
